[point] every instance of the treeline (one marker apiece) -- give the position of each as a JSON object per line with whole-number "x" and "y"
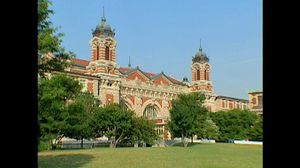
{"x": 64, "y": 111}
{"x": 189, "y": 118}
{"x": 238, "y": 124}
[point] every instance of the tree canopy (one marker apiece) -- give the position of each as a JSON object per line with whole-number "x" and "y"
{"x": 234, "y": 124}
{"x": 187, "y": 115}
{"x": 80, "y": 113}
{"x": 51, "y": 55}
{"x": 53, "y": 95}
{"x": 112, "y": 121}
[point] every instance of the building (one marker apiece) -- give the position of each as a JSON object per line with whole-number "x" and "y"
{"x": 147, "y": 94}
{"x": 256, "y": 102}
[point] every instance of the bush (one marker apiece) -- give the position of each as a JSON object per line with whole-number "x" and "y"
{"x": 43, "y": 146}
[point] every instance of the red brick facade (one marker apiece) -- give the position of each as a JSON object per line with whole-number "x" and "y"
{"x": 109, "y": 98}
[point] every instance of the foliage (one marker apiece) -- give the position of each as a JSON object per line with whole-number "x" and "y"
{"x": 51, "y": 55}
{"x": 256, "y": 132}
{"x": 234, "y": 124}
{"x": 142, "y": 130}
{"x": 209, "y": 130}
{"x": 187, "y": 115}
{"x": 112, "y": 121}
{"x": 53, "y": 95}
{"x": 79, "y": 116}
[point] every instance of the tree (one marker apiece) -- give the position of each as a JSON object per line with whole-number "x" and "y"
{"x": 256, "y": 132}
{"x": 142, "y": 130}
{"x": 53, "y": 95}
{"x": 209, "y": 130}
{"x": 51, "y": 55}
{"x": 234, "y": 124}
{"x": 79, "y": 115}
{"x": 112, "y": 121}
{"x": 187, "y": 115}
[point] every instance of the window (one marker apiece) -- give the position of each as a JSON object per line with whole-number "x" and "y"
{"x": 97, "y": 53}
{"x": 150, "y": 112}
{"x": 106, "y": 53}
{"x": 159, "y": 130}
{"x": 198, "y": 74}
{"x": 253, "y": 100}
{"x": 260, "y": 100}
{"x": 230, "y": 105}
{"x": 205, "y": 75}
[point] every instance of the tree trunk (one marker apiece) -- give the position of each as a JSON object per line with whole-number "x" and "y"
{"x": 81, "y": 144}
{"x": 111, "y": 145}
{"x": 192, "y": 138}
{"x": 183, "y": 139}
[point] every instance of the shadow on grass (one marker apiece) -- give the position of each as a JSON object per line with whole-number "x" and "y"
{"x": 64, "y": 160}
{"x": 180, "y": 144}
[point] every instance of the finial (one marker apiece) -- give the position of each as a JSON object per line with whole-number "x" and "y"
{"x": 103, "y": 16}
{"x": 129, "y": 65}
{"x": 200, "y": 49}
{"x": 103, "y": 11}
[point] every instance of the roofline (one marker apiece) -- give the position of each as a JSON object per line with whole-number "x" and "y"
{"x": 232, "y": 98}
{"x": 255, "y": 92}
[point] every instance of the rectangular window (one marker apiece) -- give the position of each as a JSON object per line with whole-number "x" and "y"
{"x": 260, "y": 100}
{"x": 106, "y": 53}
{"x": 97, "y": 53}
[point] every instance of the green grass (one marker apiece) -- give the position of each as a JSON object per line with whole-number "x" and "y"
{"x": 217, "y": 155}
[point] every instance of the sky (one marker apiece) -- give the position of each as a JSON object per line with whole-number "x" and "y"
{"x": 164, "y": 35}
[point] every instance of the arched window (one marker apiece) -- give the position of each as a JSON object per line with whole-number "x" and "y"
{"x": 205, "y": 74}
{"x": 106, "y": 53}
{"x": 198, "y": 74}
{"x": 150, "y": 112}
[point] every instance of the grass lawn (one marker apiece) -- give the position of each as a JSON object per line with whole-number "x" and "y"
{"x": 219, "y": 155}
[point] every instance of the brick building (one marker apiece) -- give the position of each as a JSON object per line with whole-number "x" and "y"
{"x": 147, "y": 94}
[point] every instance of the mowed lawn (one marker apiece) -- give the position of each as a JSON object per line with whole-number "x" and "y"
{"x": 219, "y": 155}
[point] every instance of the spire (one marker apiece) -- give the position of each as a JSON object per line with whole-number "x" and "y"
{"x": 103, "y": 16}
{"x": 200, "y": 48}
{"x": 129, "y": 65}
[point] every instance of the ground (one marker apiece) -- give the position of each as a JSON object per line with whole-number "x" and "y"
{"x": 219, "y": 155}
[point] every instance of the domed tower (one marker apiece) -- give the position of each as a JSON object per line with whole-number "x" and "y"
{"x": 103, "y": 47}
{"x": 102, "y": 63}
{"x": 201, "y": 72}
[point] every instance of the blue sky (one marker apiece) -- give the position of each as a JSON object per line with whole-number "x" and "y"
{"x": 164, "y": 35}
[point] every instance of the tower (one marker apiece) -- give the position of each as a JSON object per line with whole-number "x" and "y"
{"x": 102, "y": 63}
{"x": 200, "y": 69}
{"x": 103, "y": 47}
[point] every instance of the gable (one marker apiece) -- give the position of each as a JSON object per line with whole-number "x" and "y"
{"x": 161, "y": 80}
{"x": 137, "y": 75}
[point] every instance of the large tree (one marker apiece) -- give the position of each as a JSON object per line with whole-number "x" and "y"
{"x": 80, "y": 112}
{"x": 51, "y": 55}
{"x": 187, "y": 115}
{"x": 53, "y": 95}
{"x": 112, "y": 121}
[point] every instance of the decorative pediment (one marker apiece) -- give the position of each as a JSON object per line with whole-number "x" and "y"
{"x": 162, "y": 79}
{"x": 137, "y": 75}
